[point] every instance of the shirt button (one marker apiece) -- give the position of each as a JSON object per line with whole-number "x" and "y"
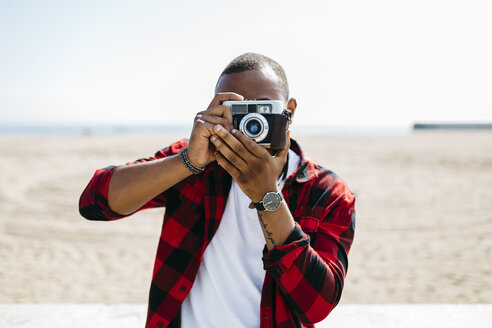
{"x": 160, "y": 324}
{"x": 183, "y": 288}
{"x": 266, "y": 318}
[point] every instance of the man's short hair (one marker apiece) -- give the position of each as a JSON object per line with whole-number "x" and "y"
{"x": 251, "y": 61}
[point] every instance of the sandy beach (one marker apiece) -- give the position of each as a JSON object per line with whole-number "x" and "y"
{"x": 424, "y": 218}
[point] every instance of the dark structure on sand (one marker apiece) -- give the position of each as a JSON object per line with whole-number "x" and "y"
{"x": 452, "y": 126}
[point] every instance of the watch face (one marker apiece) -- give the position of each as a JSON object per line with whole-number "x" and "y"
{"x": 271, "y": 201}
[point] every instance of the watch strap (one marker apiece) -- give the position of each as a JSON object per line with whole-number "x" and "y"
{"x": 259, "y": 206}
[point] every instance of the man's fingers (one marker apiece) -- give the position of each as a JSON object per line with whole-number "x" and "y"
{"x": 236, "y": 144}
{"x": 215, "y": 120}
{"x": 223, "y": 96}
{"x": 220, "y": 111}
{"x": 232, "y": 150}
{"x": 231, "y": 169}
{"x": 250, "y": 144}
{"x": 206, "y": 129}
{"x": 217, "y": 109}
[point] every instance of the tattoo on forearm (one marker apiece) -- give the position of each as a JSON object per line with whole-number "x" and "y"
{"x": 268, "y": 233}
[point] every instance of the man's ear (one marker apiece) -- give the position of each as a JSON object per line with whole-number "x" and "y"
{"x": 292, "y": 105}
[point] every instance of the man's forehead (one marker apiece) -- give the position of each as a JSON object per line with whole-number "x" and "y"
{"x": 252, "y": 84}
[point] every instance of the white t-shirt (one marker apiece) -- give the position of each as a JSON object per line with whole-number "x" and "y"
{"x": 227, "y": 288}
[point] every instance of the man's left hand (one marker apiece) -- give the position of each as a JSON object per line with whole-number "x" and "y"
{"x": 250, "y": 165}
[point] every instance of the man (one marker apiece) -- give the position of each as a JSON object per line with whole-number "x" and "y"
{"x": 212, "y": 267}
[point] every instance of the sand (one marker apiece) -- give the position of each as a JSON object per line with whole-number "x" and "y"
{"x": 424, "y": 218}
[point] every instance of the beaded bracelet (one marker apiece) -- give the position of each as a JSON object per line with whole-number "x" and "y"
{"x": 189, "y": 165}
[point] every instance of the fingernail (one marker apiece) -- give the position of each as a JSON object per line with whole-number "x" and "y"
{"x": 213, "y": 138}
{"x": 233, "y": 131}
{"x": 218, "y": 128}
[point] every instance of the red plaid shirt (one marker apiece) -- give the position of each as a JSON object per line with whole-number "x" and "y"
{"x": 304, "y": 276}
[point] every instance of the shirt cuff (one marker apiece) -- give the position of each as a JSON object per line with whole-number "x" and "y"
{"x": 278, "y": 260}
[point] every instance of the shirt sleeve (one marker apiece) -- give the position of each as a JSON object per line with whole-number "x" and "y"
{"x": 93, "y": 203}
{"x": 311, "y": 265}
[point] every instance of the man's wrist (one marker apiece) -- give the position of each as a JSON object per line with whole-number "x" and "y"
{"x": 188, "y": 163}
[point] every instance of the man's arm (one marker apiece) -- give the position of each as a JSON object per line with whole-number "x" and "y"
{"x": 256, "y": 173}
{"x": 131, "y": 186}
{"x": 94, "y": 202}
{"x": 115, "y": 192}
{"x": 310, "y": 274}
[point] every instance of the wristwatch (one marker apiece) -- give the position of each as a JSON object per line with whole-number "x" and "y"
{"x": 271, "y": 202}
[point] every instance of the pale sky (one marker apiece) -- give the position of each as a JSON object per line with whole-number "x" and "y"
{"x": 156, "y": 62}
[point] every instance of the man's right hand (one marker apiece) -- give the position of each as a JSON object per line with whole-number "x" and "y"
{"x": 200, "y": 150}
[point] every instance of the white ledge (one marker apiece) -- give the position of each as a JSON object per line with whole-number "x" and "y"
{"x": 349, "y": 315}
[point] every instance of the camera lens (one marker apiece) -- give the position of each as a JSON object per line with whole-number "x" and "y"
{"x": 253, "y": 127}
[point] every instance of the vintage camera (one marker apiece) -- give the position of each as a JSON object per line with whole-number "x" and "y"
{"x": 264, "y": 121}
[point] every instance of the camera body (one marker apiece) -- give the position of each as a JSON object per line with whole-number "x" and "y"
{"x": 264, "y": 121}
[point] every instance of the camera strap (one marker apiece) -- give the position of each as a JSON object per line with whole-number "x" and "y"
{"x": 288, "y": 114}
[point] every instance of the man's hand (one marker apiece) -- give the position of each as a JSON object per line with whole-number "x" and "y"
{"x": 252, "y": 167}
{"x": 200, "y": 152}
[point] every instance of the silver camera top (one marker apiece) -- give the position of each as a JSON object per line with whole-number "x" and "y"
{"x": 255, "y": 106}
{"x": 264, "y": 121}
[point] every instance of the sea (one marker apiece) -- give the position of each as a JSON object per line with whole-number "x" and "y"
{"x": 110, "y": 129}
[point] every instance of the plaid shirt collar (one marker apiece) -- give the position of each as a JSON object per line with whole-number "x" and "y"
{"x": 306, "y": 170}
